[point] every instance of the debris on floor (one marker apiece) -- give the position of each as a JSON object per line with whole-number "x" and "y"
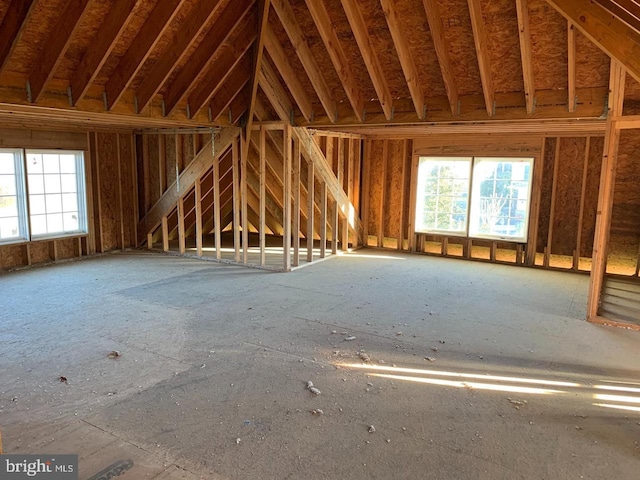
{"x": 317, "y": 411}
{"x": 372, "y": 429}
{"x": 435, "y": 349}
{"x": 517, "y": 403}
{"x": 349, "y": 338}
{"x": 63, "y": 379}
{"x": 312, "y": 388}
{"x": 362, "y": 355}
{"x": 238, "y": 441}
{"x": 113, "y": 354}
{"x": 430, "y": 359}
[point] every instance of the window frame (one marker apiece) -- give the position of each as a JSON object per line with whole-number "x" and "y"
{"x": 23, "y": 195}
{"x": 474, "y": 160}
{"x": 80, "y": 193}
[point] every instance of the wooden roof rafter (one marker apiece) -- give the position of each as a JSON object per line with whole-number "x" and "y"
{"x": 96, "y": 55}
{"x": 212, "y": 42}
{"x": 231, "y": 88}
{"x": 12, "y": 26}
{"x": 522, "y": 9}
{"x": 294, "y": 32}
{"x": 338, "y": 57}
{"x": 175, "y": 51}
{"x": 442, "y": 52}
{"x": 274, "y": 91}
{"x": 371, "y": 60}
{"x": 612, "y": 35}
{"x": 55, "y": 46}
{"x": 148, "y": 36}
{"x": 571, "y": 64}
{"x": 288, "y": 73}
{"x": 240, "y": 41}
{"x": 626, "y": 10}
{"x": 480, "y": 40}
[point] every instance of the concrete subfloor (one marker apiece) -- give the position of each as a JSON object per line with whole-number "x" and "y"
{"x": 517, "y": 385}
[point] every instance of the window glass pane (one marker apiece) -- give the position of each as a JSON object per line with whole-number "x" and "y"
{"x": 442, "y": 194}
{"x": 36, "y": 184}
{"x": 54, "y": 222}
{"x": 34, "y": 163}
{"x": 38, "y": 224}
{"x": 7, "y": 185}
{"x": 52, "y": 183}
{"x": 71, "y": 221}
{"x": 7, "y": 163}
{"x": 500, "y": 198}
{"x": 54, "y": 203}
{"x": 69, "y": 202}
{"x": 51, "y": 163}
{"x": 67, "y": 164}
{"x": 68, "y": 183}
{"x": 37, "y": 204}
{"x": 9, "y": 228}
{"x": 8, "y": 207}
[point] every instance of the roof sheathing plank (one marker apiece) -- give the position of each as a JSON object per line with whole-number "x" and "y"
{"x": 501, "y": 26}
{"x": 592, "y": 64}
{"x": 35, "y": 33}
{"x": 382, "y": 41}
{"x": 414, "y": 24}
{"x": 459, "y": 35}
{"x": 548, "y": 46}
{"x": 140, "y": 15}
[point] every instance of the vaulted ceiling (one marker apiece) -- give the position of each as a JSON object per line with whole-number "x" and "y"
{"x": 321, "y": 62}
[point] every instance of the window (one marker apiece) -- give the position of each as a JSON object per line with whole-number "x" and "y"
{"x": 486, "y": 197}
{"x": 51, "y": 202}
{"x": 13, "y": 225}
{"x": 444, "y": 186}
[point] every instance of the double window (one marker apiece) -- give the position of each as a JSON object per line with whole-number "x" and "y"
{"x": 42, "y": 194}
{"x": 483, "y": 197}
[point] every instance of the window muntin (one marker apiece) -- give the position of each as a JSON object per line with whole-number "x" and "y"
{"x": 497, "y": 207}
{"x": 443, "y": 195}
{"x": 56, "y": 192}
{"x": 13, "y": 223}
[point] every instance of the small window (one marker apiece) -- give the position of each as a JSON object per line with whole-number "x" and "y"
{"x": 56, "y": 193}
{"x": 500, "y": 198}
{"x": 13, "y": 224}
{"x": 483, "y": 197}
{"x": 443, "y": 195}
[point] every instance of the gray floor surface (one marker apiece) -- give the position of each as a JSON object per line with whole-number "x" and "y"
{"x": 466, "y": 370}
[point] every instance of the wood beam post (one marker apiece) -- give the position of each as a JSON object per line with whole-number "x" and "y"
{"x": 181, "y": 230}
{"x": 296, "y": 202}
{"x": 263, "y": 170}
{"x": 606, "y": 190}
{"x": 286, "y": 197}
{"x": 244, "y": 172}
{"x": 165, "y": 234}
{"x": 236, "y": 200}
{"x": 198, "y": 200}
{"x": 217, "y": 227}
{"x": 310, "y": 208}
{"x": 323, "y": 220}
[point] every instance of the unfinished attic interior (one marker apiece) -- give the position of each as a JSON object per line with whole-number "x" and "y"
{"x": 460, "y": 180}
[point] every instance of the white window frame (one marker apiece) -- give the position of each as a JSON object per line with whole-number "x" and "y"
{"x": 22, "y": 194}
{"x": 472, "y": 208}
{"x": 21, "y": 197}
{"x": 420, "y": 187}
{"x": 80, "y": 192}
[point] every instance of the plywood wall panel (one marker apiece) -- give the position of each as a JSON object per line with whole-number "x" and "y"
{"x": 67, "y": 248}
{"x": 127, "y": 188}
{"x": 154, "y": 169}
{"x": 107, "y": 148}
{"x": 376, "y": 167}
{"x": 568, "y": 193}
{"x": 40, "y": 252}
{"x": 545, "y": 199}
{"x": 625, "y": 221}
{"x": 596, "y": 149}
{"x": 12, "y": 256}
{"x": 393, "y": 188}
